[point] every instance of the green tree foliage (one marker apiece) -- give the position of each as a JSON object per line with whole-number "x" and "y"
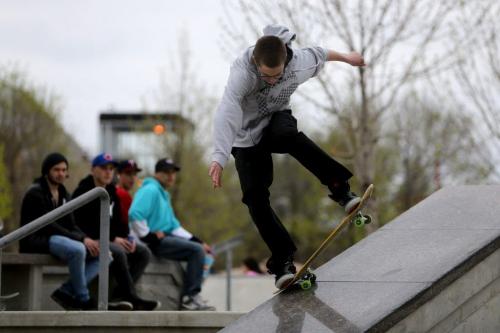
{"x": 5, "y": 191}
{"x": 213, "y": 215}
{"x": 435, "y": 147}
{"x": 29, "y": 130}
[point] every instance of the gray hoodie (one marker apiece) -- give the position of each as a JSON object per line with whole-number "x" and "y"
{"x": 248, "y": 102}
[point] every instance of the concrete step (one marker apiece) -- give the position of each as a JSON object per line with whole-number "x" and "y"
{"x": 115, "y": 321}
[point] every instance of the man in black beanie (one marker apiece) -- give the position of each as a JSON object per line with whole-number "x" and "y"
{"x": 62, "y": 238}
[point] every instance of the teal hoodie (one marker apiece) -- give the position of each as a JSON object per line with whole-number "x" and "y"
{"x": 152, "y": 204}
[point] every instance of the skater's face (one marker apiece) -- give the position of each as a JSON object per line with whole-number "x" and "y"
{"x": 270, "y": 75}
{"x": 58, "y": 173}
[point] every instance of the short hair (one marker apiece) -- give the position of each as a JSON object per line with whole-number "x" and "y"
{"x": 269, "y": 51}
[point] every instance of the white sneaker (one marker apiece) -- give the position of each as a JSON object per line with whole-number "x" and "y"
{"x": 283, "y": 280}
{"x": 352, "y": 204}
{"x": 195, "y": 303}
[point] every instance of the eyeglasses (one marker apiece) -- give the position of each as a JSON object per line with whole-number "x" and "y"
{"x": 276, "y": 76}
{"x": 267, "y": 76}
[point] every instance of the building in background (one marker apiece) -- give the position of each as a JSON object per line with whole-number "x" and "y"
{"x": 144, "y": 137}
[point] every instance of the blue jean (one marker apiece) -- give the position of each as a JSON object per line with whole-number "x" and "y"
{"x": 175, "y": 248}
{"x": 82, "y": 268}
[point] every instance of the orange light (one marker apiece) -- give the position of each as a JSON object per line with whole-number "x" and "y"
{"x": 159, "y": 129}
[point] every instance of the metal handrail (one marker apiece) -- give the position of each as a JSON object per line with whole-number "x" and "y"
{"x": 96, "y": 193}
{"x": 227, "y": 246}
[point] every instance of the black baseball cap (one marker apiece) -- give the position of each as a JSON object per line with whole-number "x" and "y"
{"x": 166, "y": 164}
{"x": 128, "y": 166}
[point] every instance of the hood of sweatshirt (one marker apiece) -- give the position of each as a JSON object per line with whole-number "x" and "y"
{"x": 151, "y": 181}
{"x": 279, "y": 31}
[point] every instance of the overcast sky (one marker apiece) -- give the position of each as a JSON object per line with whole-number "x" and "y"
{"x": 101, "y": 54}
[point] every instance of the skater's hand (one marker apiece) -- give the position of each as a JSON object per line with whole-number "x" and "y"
{"x": 355, "y": 59}
{"x": 215, "y": 172}
{"x": 92, "y": 246}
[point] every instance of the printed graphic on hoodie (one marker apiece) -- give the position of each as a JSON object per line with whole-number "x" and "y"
{"x": 277, "y": 95}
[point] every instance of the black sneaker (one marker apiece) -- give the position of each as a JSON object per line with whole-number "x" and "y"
{"x": 341, "y": 193}
{"x": 88, "y": 305}
{"x": 144, "y": 304}
{"x": 69, "y": 303}
{"x": 66, "y": 301}
{"x": 284, "y": 271}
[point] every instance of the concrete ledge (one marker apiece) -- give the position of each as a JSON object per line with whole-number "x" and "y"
{"x": 435, "y": 268}
{"x": 459, "y": 302}
{"x": 164, "y": 321}
{"x": 29, "y": 259}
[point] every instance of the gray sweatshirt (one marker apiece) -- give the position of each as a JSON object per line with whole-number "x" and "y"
{"x": 248, "y": 102}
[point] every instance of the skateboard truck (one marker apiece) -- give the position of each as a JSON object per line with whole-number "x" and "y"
{"x": 361, "y": 219}
{"x": 306, "y": 281}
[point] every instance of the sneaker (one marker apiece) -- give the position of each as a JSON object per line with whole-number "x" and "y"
{"x": 341, "y": 193}
{"x": 285, "y": 274}
{"x": 66, "y": 301}
{"x": 88, "y": 305}
{"x": 195, "y": 303}
{"x": 69, "y": 303}
{"x": 350, "y": 202}
{"x": 144, "y": 304}
{"x": 120, "y": 306}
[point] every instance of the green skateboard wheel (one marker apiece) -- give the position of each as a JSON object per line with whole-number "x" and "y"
{"x": 359, "y": 221}
{"x": 306, "y": 284}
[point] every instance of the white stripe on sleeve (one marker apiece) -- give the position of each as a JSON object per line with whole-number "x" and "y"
{"x": 139, "y": 228}
{"x": 182, "y": 233}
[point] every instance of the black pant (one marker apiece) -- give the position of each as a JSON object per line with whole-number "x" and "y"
{"x": 127, "y": 268}
{"x": 255, "y": 169}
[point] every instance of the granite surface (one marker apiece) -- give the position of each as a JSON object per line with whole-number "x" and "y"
{"x": 384, "y": 277}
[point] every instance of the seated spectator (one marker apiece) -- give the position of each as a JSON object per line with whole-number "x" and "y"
{"x": 127, "y": 176}
{"x": 251, "y": 267}
{"x": 153, "y": 220}
{"x": 63, "y": 239}
{"x": 130, "y": 258}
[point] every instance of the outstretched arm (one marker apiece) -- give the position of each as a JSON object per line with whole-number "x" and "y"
{"x": 352, "y": 58}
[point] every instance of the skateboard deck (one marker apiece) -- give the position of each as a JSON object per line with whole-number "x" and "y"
{"x": 355, "y": 217}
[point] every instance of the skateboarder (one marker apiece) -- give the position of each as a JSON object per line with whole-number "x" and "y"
{"x": 254, "y": 120}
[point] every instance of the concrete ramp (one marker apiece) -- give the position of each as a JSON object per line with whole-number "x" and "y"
{"x": 435, "y": 268}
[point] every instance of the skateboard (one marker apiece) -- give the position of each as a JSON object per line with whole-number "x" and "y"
{"x": 305, "y": 277}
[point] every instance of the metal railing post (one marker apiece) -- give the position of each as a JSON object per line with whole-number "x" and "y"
{"x": 227, "y": 247}
{"x": 104, "y": 254}
{"x": 229, "y": 267}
